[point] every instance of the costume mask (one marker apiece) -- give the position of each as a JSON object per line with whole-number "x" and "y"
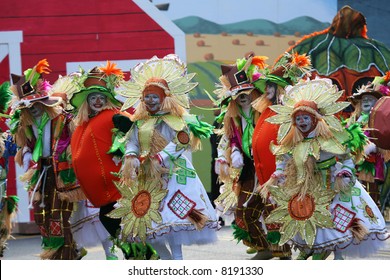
{"x": 304, "y": 122}
{"x": 36, "y": 110}
{"x": 368, "y": 101}
{"x": 244, "y": 100}
{"x": 96, "y": 101}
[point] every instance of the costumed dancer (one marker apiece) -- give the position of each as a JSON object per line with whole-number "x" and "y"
{"x": 322, "y": 207}
{"x": 8, "y": 203}
{"x": 163, "y": 200}
{"x": 87, "y": 229}
{"x": 371, "y": 167}
{"x": 41, "y": 130}
{"x": 271, "y": 82}
{"x": 95, "y": 146}
{"x": 235, "y": 163}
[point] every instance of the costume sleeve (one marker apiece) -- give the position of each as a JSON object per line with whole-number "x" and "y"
{"x": 132, "y": 146}
{"x": 180, "y": 141}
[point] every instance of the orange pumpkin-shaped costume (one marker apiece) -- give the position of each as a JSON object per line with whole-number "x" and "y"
{"x": 263, "y": 135}
{"x": 92, "y": 164}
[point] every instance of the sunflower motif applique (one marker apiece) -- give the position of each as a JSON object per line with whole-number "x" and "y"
{"x": 301, "y": 215}
{"x": 367, "y": 212}
{"x": 138, "y": 208}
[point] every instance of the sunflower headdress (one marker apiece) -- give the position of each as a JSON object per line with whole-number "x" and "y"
{"x": 168, "y": 73}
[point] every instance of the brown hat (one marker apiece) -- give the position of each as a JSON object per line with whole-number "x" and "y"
{"x": 31, "y": 87}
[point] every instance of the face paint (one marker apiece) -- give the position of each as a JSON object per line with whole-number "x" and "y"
{"x": 304, "y": 123}
{"x": 271, "y": 92}
{"x": 368, "y": 101}
{"x": 96, "y": 101}
{"x": 244, "y": 100}
{"x": 36, "y": 110}
{"x": 152, "y": 102}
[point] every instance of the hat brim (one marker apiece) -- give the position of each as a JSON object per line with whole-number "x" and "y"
{"x": 48, "y": 101}
{"x": 79, "y": 98}
{"x": 374, "y": 93}
{"x": 262, "y": 82}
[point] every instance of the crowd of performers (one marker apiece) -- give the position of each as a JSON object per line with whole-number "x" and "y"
{"x": 107, "y": 161}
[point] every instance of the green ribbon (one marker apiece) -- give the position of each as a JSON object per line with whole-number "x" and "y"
{"x": 37, "y": 153}
{"x": 248, "y": 132}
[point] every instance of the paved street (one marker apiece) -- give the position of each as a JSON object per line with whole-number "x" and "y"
{"x": 25, "y": 247}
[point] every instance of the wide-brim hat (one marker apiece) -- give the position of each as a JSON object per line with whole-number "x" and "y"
{"x": 366, "y": 90}
{"x": 261, "y": 83}
{"x": 80, "y": 97}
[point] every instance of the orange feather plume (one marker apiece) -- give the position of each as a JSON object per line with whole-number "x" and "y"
{"x": 387, "y": 77}
{"x": 260, "y": 61}
{"x": 300, "y": 60}
{"x": 111, "y": 69}
{"x": 43, "y": 67}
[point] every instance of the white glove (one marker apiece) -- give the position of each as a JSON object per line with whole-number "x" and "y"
{"x": 130, "y": 167}
{"x": 237, "y": 159}
{"x": 369, "y": 148}
{"x": 279, "y": 175}
{"x": 27, "y": 158}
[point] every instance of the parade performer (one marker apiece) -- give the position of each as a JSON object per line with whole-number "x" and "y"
{"x": 164, "y": 201}
{"x": 8, "y": 203}
{"x": 322, "y": 207}
{"x": 98, "y": 126}
{"x": 235, "y": 163}
{"x": 41, "y": 131}
{"x": 371, "y": 167}
{"x": 272, "y": 81}
{"x": 87, "y": 229}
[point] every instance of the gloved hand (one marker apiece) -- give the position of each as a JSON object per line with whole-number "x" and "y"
{"x": 279, "y": 175}
{"x": 237, "y": 159}
{"x": 370, "y": 148}
{"x": 130, "y": 167}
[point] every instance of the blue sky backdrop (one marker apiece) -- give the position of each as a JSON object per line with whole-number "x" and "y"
{"x": 230, "y": 11}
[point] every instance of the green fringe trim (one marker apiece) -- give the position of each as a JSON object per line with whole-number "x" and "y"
{"x": 273, "y": 237}
{"x": 53, "y": 242}
{"x": 240, "y": 234}
{"x": 67, "y": 176}
{"x": 118, "y": 142}
{"x": 12, "y": 203}
{"x": 367, "y": 167}
{"x": 14, "y": 123}
{"x": 357, "y": 138}
{"x": 202, "y": 130}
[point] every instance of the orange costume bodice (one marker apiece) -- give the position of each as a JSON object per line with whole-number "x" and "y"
{"x": 92, "y": 164}
{"x": 263, "y": 135}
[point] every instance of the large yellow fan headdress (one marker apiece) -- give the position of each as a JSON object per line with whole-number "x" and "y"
{"x": 169, "y": 68}
{"x": 321, "y": 92}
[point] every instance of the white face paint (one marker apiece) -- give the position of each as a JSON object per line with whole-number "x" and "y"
{"x": 152, "y": 102}
{"x": 368, "y": 101}
{"x": 96, "y": 101}
{"x": 36, "y": 110}
{"x": 304, "y": 122}
{"x": 244, "y": 100}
